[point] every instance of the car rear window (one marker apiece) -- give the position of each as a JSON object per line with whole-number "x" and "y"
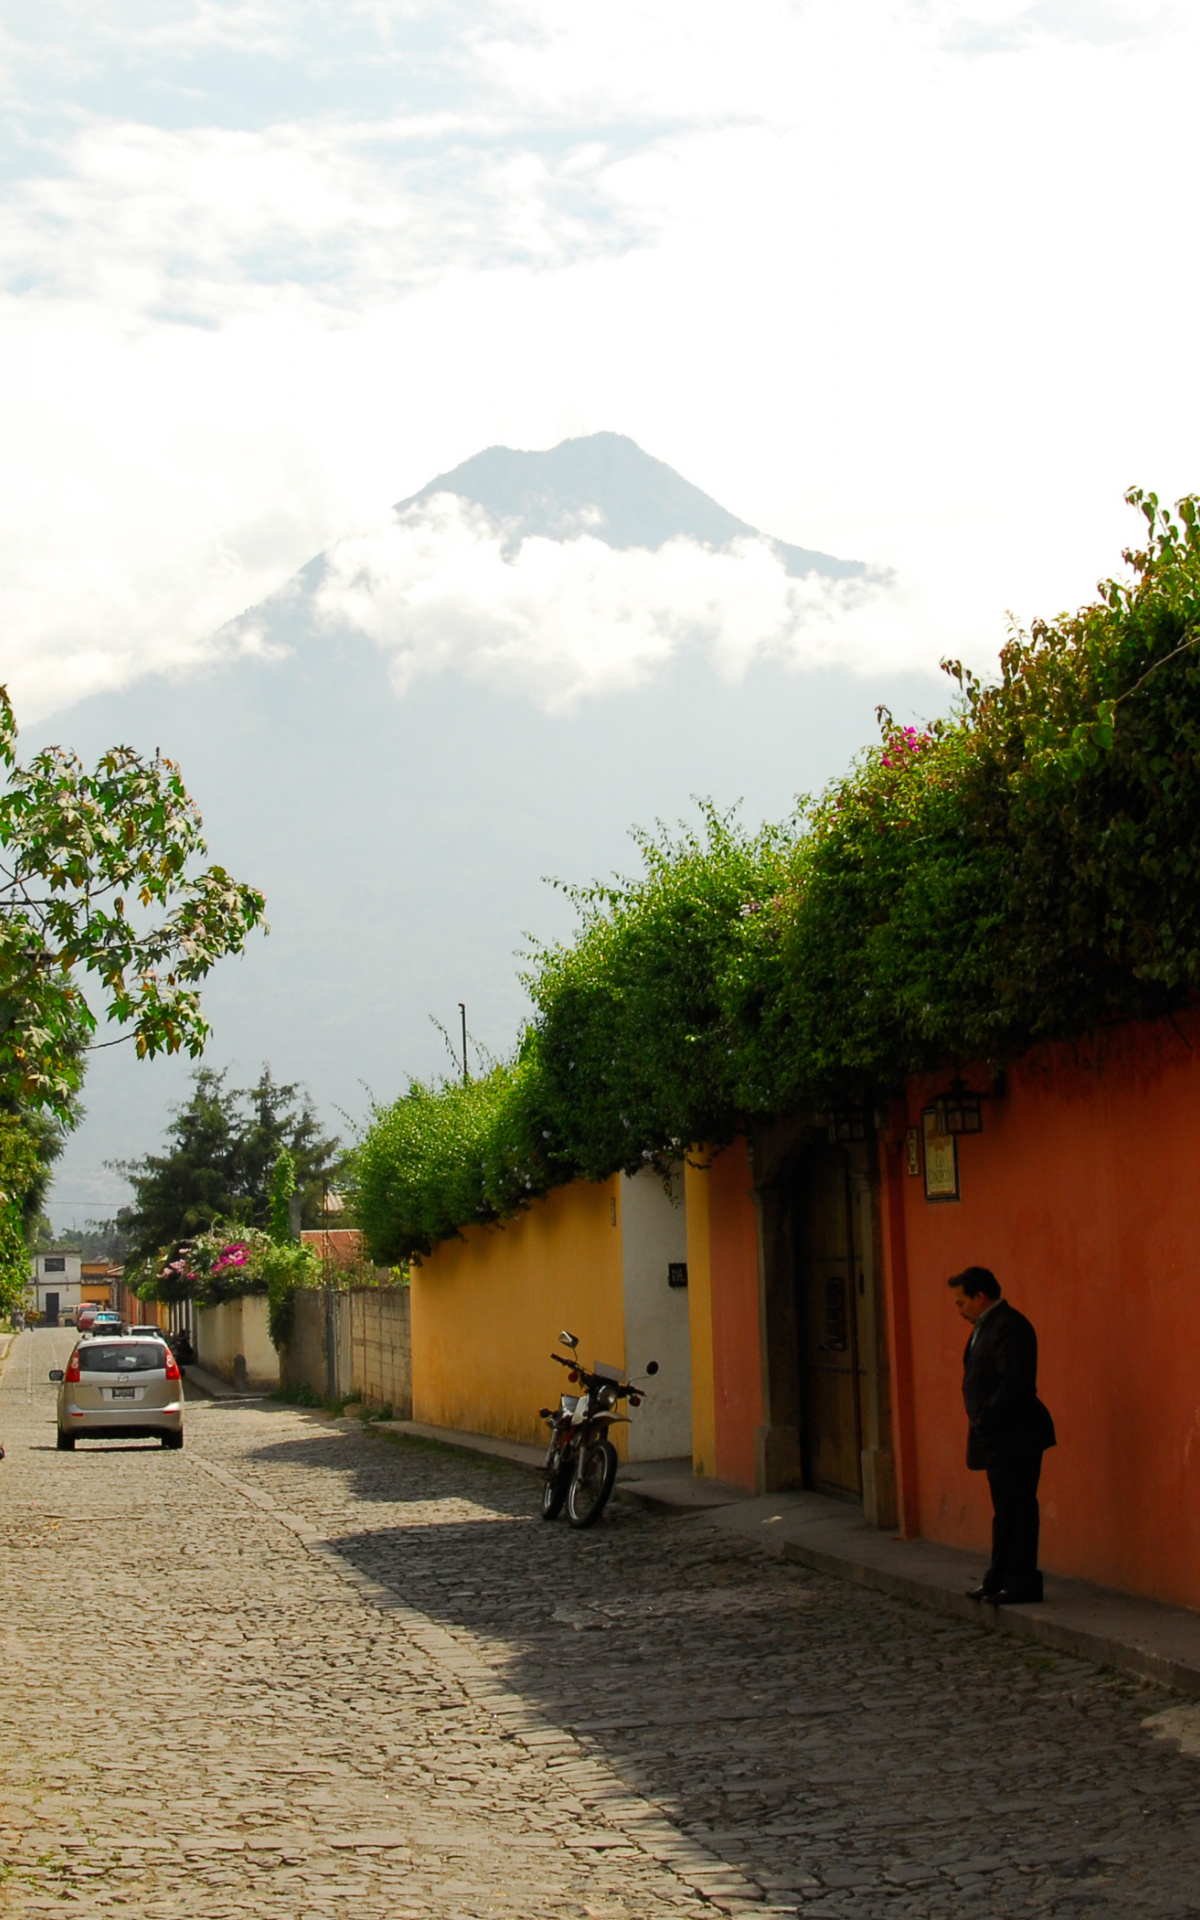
{"x": 122, "y": 1356}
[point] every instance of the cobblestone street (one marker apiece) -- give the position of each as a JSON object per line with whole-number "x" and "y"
{"x": 305, "y": 1669}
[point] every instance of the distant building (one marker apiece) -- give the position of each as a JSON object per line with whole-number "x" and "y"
{"x": 97, "y": 1281}
{"x": 56, "y": 1284}
{"x": 340, "y": 1248}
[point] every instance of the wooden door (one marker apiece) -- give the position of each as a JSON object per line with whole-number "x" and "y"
{"x": 831, "y": 1310}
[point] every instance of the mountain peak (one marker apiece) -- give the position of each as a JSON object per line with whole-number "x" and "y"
{"x": 606, "y": 485}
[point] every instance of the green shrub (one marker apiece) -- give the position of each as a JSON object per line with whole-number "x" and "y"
{"x": 1021, "y": 870}
{"x": 450, "y": 1155}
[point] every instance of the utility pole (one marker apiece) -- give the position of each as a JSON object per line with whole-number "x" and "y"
{"x": 462, "y": 1008}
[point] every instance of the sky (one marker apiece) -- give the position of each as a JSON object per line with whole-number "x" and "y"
{"x": 908, "y": 282}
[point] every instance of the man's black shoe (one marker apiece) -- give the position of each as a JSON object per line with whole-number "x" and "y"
{"x": 981, "y": 1593}
{"x": 1014, "y": 1597}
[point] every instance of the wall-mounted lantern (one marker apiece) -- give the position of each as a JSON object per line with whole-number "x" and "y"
{"x": 958, "y": 1110}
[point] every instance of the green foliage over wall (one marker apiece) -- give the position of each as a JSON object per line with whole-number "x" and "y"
{"x": 451, "y": 1155}
{"x": 1021, "y": 870}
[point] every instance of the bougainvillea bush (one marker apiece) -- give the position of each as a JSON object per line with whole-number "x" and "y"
{"x": 226, "y": 1263}
{"x": 1024, "y": 868}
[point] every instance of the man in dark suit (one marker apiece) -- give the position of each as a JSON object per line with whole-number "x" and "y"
{"x": 1008, "y": 1431}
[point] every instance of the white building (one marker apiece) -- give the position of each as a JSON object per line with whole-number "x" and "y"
{"x": 55, "y": 1284}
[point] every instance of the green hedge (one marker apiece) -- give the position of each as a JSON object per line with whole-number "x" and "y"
{"x": 1023, "y": 869}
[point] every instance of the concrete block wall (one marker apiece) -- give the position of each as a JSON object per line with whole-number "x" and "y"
{"x": 355, "y": 1343}
{"x": 381, "y": 1348}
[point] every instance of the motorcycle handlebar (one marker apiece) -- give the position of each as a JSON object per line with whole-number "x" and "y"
{"x": 623, "y": 1388}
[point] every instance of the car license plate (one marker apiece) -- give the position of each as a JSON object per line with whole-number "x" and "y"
{"x": 123, "y": 1393}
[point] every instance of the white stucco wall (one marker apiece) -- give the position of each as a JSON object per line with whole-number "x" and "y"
{"x": 653, "y": 1235}
{"x": 65, "y": 1284}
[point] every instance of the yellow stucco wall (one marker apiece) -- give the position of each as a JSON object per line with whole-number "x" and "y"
{"x": 487, "y": 1311}
{"x": 704, "y": 1421}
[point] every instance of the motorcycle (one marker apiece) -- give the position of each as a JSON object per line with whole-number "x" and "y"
{"x": 581, "y": 1461}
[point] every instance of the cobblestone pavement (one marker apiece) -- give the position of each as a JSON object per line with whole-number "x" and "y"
{"x": 302, "y": 1669}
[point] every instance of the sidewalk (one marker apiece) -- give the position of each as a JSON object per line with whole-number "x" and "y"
{"x": 1144, "y": 1637}
{"x": 209, "y": 1386}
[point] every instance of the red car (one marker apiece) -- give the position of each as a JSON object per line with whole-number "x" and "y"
{"x": 86, "y": 1314}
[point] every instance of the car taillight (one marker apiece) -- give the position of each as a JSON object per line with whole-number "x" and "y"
{"x": 172, "y": 1366}
{"x": 72, "y": 1372}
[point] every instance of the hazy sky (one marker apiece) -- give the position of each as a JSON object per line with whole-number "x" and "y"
{"x": 912, "y": 283}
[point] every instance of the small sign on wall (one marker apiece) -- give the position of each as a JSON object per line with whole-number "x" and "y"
{"x": 677, "y": 1273}
{"x": 912, "y": 1152}
{"x": 941, "y": 1159}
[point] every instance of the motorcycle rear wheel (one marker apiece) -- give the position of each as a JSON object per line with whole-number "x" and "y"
{"x": 554, "y": 1492}
{"x": 591, "y": 1483}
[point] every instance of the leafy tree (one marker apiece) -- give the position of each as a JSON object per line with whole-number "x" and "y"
{"x": 283, "y": 1117}
{"x": 96, "y": 897}
{"x": 221, "y": 1151}
{"x": 283, "y": 1186}
{"x": 101, "y": 911}
{"x": 19, "y": 1174}
{"x": 96, "y": 1240}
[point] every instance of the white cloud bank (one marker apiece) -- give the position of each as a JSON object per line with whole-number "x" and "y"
{"x": 440, "y": 590}
{"x": 872, "y": 276}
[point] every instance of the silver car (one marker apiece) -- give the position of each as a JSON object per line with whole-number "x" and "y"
{"x": 120, "y": 1389}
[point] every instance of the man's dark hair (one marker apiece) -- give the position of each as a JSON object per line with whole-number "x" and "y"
{"x": 975, "y": 1281}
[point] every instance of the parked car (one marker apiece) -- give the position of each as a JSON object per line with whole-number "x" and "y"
{"x": 85, "y": 1314}
{"x": 147, "y": 1333}
{"x": 120, "y": 1389}
{"x": 106, "y": 1321}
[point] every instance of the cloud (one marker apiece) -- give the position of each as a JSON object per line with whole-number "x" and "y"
{"x": 201, "y": 226}
{"x": 1002, "y": 26}
{"x": 442, "y": 589}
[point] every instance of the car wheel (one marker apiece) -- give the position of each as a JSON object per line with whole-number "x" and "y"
{"x": 66, "y": 1442}
{"x": 174, "y": 1440}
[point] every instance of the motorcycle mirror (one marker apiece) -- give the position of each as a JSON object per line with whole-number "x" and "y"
{"x": 569, "y": 1339}
{"x": 652, "y": 1366}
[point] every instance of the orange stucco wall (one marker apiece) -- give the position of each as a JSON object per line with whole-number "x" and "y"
{"x": 1083, "y": 1196}
{"x": 733, "y": 1271}
{"x": 487, "y": 1311}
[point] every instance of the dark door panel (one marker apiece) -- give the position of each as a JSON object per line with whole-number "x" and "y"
{"x": 830, "y": 1305}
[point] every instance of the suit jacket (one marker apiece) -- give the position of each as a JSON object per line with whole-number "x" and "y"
{"x": 1005, "y": 1417}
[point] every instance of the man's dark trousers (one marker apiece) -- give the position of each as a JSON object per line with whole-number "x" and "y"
{"x": 1015, "y": 1524}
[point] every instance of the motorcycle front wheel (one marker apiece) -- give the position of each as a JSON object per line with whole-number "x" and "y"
{"x": 554, "y": 1492}
{"x": 591, "y": 1483}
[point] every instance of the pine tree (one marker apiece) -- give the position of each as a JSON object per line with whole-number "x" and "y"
{"x": 222, "y": 1149}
